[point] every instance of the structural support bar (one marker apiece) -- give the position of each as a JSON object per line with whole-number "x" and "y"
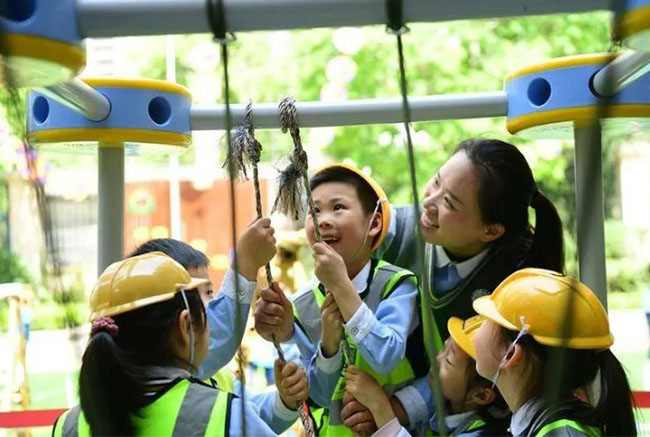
{"x": 622, "y": 71}
{"x": 111, "y": 205}
{"x": 110, "y": 18}
{"x": 358, "y": 112}
{"x": 80, "y": 97}
{"x": 590, "y": 209}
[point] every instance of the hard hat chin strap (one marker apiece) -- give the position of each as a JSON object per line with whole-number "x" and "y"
{"x": 511, "y": 348}
{"x": 189, "y": 316}
{"x": 368, "y": 228}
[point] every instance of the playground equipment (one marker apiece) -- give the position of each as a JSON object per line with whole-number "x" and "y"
{"x": 536, "y": 99}
{"x": 584, "y": 97}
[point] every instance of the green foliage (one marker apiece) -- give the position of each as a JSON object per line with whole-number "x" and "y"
{"x": 12, "y": 269}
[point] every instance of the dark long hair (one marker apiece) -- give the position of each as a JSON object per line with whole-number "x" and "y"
{"x": 506, "y": 188}
{"x": 113, "y": 368}
{"x": 181, "y": 252}
{"x": 614, "y": 412}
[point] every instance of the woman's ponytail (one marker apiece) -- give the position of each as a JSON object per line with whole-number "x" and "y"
{"x": 547, "y": 250}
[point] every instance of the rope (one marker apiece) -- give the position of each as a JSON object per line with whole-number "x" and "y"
{"x": 245, "y": 145}
{"x": 397, "y": 27}
{"x": 217, "y": 22}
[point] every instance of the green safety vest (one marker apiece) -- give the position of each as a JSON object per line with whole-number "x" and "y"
{"x": 306, "y": 309}
{"x": 590, "y": 431}
{"x": 186, "y": 409}
{"x": 225, "y": 380}
{"x": 472, "y": 423}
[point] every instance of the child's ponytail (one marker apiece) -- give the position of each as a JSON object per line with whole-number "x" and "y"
{"x": 615, "y": 406}
{"x": 109, "y": 387}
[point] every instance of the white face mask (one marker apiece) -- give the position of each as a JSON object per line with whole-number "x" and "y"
{"x": 189, "y": 316}
{"x": 509, "y": 351}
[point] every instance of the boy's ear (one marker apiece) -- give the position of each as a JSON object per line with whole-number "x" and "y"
{"x": 492, "y": 231}
{"x": 184, "y": 326}
{"x": 482, "y": 394}
{"x": 375, "y": 227}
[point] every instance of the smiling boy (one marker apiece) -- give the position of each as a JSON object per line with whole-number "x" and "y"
{"x": 368, "y": 305}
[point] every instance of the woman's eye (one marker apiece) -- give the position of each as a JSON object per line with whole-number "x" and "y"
{"x": 338, "y": 206}
{"x": 316, "y": 210}
{"x": 449, "y": 204}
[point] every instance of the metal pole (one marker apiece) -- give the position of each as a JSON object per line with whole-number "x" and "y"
{"x": 619, "y": 73}
{"x": 111, "y": 204}
{"x": 111, "y": 18}
{"x": 357, "y": 112}
{"x": 590, "y": 209}
{"x": 80, "y": 97}
{"x": 174, "y": 183}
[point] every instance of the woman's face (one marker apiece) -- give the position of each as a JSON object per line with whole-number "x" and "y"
{"x": 451, "y": 216}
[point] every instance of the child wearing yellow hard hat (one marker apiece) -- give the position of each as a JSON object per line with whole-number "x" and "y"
{"x": 545, "y": 341}
{"x": 358, "y": 310}
{"x": 149, "y": 334}
{"x": 276, "y": 407}
{"x": 474, "y": 406}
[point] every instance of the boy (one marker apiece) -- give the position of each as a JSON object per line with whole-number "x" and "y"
{"x": 272, "y": 406}
{"x": 365, "y": 306}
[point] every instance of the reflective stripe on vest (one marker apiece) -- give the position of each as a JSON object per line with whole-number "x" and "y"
{"x": 186, "y": 409}
{"x": 586, "y": 430}
{"x": 306, "y": 308}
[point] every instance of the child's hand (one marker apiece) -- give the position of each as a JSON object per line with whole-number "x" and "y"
{"x": 357, "y": 416}
{"x": 332, "y": 322}
{"x": 367, "y": 391}
{"x": 329, "y": 266}
{"x": 292, "y": 383}
{"x": 273, "y": 314}
{"x": 255, "y": 248}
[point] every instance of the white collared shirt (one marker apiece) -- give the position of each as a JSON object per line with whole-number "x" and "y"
{"x": 463, "y": 268}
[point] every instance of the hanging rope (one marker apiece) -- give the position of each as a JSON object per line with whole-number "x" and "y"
{"x": 246, "y": 146}
{"x": 290, "y": 178}
{"x": 217, "y": 22}
{"x": 396, "y": 26}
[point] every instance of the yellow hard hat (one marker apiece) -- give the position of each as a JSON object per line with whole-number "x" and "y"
{"x": 384, "y": 207}
{"x": 542, "y": 297}
{"x": 464, "y": 331}
{"x": 137, "y": 282}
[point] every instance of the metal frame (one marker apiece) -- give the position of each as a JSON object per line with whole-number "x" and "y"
{"x": 360, "y": 112}
{"x": 110, "y": 18}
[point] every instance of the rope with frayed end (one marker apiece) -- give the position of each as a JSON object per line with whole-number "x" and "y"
{"x": 248, "y": 151}
{"x": 290, "y": 189}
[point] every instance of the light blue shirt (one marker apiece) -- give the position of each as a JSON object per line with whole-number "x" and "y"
{"x": 267, "y": 406}
{"x": 268, "y": 414}
{"x": 225, "y": 334}
{"x": 380, "y": 337}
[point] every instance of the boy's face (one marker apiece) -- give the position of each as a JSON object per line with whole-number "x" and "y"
{"x": 342, "y": 222}
{"x": 205, "y": 290}
{"x": 453, "y": 364}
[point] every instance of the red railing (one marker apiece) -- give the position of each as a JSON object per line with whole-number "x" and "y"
{"x": 31, "y": 418}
